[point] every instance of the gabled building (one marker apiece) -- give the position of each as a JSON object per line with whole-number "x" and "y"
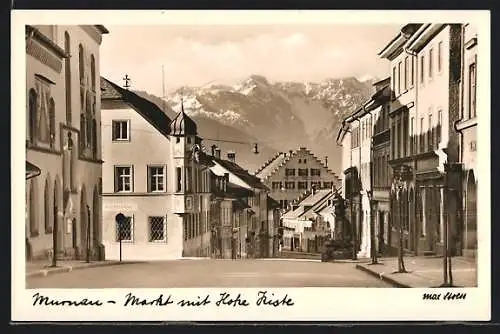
{"x": 155, "y": 174}
{"x": 63, "y": 141}
{"x": 287, "y": 175}
{"x": 307, "y": 225}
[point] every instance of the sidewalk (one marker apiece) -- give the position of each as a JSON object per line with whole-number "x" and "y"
{"x": 423, "y": 272}
{"x": 43, "y": 268}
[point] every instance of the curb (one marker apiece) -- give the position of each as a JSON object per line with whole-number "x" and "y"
{"x": 66, "y": 269}
{"x": 383, "y": 277}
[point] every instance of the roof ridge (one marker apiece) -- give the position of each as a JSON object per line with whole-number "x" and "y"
{"x": 287, "y": 158}
{"x": 268, "y": 162}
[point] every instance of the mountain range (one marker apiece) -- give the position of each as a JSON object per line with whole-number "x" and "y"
{"x": 278, "y": 116}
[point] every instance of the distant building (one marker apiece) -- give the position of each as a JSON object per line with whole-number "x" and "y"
{"x": 288, "y": 175}
{"x": 154, "y": 174}
{"x": 63, "y": 141}
{"x": 309, "y": 222}
{"x": 254, "y": 227}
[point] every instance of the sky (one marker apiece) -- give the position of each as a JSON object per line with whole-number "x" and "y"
{"x": 190, "y": 55}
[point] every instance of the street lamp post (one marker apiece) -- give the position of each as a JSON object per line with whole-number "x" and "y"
{"x": 451, "y": 170}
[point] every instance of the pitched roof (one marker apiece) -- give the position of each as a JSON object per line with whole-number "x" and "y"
{"x": 239, "y": 172}
{"x": 269, "y": 167}
{"x": 147, "y": 109}
{"x": 311, "y": 202}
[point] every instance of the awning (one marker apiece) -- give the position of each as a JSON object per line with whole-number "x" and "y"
{"x": 31, "y": 170}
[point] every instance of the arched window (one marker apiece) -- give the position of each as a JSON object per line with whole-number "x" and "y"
{"x": 32, "y": 106}
{"x": 81, "y": 63}
{"x": 52, "y": 121}
{"x": 33, "y": 208}
{"x": 82, "y": 131}
{"x": 92, "y": 71}
{"x": 67, "y": 74}
{"x": 94, "y": 138}
{"x": 88, "y": 123}
{"x": 47, "y": 208}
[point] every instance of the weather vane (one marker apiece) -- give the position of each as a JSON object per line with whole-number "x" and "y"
{"x": 182, "y": 100}
{"x": 127, "y": 80}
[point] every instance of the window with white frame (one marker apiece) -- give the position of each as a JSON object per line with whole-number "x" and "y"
{"x": 315, "y": 172}
{"x": 123, "y": 178}
{"x": 156, "y": 178}
{"x": 472, "y": 90}
{"x": 157, "y": 226}
{"x": 431, "y": 51}
{"x": 289, "y": 185}
{"x": 125, "y": 231}
{"x": 440, "y": 56}
{"x": 121, "y": 130}
{"x": 422, "y": 69}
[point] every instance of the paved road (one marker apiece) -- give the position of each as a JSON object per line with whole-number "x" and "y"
{"x": 212, "y": 273}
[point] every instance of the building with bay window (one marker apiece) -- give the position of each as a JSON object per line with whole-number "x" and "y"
{"x": 155, "y": 175}
{"x": 63, "y": 140}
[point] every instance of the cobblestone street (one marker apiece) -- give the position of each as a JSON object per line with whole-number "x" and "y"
{"x": 212, "y": 273}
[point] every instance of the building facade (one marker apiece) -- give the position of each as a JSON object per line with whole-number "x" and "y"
{"x": 288, "y": 175}
{"x": 152, "y": 174}
{"x": 63, "y": 141}
{"x": 467, "y": 128}
{"x": 253, "y": 237}
{"x": 425, "y": 79}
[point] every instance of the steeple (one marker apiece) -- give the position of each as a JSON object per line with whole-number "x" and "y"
{"x": 182, "y": 124}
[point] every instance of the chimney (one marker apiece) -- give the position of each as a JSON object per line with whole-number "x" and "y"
{"x": 290, "y": 153}
{"x": 217, "y": 153}
{"x": 231, "y": 156}
{"x": 326, "y": 160}
{"x": 214, "y": 147}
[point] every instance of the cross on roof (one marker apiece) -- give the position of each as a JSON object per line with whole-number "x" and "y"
{"x": 127, "y": 80}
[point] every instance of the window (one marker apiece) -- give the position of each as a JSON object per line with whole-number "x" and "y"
{"x": 327, "y": 185}
{"x": 67, "y": 76}
{"x": 289, "y": 185}
{"x": 157, "y": 229}
{"x": 315, "y": 172}
{"x": 406, "y": 72}
{"x": 123, "y": 178}
{"x": 43, "y": 99}
{"x": 430, "y": 140}
{"x": 178, "y": 176}
{"x": 412, "y": 136}
{"x": 92, "y": 71}
{"x": 405, "y": 135}
{"x": 81, "y": 62}
{"x": 440, "y": 56}
{"x": 430, "y": 62}
{"x": 412, "y": 72}
{"x": 472, "y": 90}
{"x": 302, "y": 171}
{"x": 121, "y": 130}
{"x": 290, "y": 171}
{"x": 399, "y": 77}
{"x": 422, "y": 62}
{"x": 126, "y": 230}
{"x": 394, "y": 79}
{"x": 305, "y": 161}
{"x": 32, "y": 115}
{"x": 188, "y": 179}
{"x": 439, "y": 129}
{"x": 276, "y": 185}
{"x": 421, "y": 136}
{"x": 316, "y": 184}
{"x": 301, "y": 185}
{"x": 156, "y": 178}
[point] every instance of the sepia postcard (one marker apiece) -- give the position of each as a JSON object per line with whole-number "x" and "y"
{"x": 251, "y": 165}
